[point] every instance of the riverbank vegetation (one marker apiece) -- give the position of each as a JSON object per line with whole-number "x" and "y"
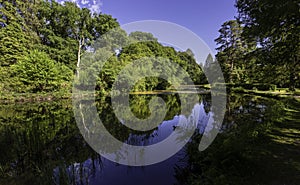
{"x": 260, "y": 49}
{"x": 259, "y": 54}
{"x": 43, "y": 42}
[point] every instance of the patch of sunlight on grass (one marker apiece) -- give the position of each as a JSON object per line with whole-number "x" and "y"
{"x": 281, "y": 140}
{"x": 289, "y": 136}
{"x": 290, "y": 110}
{"x": 293, "y": 131}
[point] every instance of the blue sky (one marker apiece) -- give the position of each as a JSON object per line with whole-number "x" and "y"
{"x": 203, "y": 17}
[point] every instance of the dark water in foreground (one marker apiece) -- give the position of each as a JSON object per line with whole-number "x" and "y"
{"x": 41, "y": 144}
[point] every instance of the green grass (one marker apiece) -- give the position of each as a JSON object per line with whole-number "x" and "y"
{"x": 278, "y": 155}
{"x": 280, "y": 92}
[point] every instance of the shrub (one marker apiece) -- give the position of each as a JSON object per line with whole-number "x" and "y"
{"x": 37, "y": 72}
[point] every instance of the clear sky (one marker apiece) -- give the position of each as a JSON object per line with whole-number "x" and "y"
{"x": 203, "y": 17}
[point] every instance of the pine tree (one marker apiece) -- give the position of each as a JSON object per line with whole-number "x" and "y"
{"x": 232, "y": 52}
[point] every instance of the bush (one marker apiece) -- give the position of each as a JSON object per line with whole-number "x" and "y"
{"x": 37, "y": 72}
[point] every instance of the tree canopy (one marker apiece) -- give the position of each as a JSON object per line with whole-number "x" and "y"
{"x": 262, "y": 43}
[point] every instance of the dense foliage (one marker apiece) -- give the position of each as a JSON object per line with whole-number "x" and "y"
{"x": 42, "y": 42}
{"x": 37, "y": 72}
{"x": 262, "y": 45}
{"x": 260, "y": 49}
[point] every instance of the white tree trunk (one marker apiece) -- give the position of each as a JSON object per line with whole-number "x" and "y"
{"x": 80, "y": 44}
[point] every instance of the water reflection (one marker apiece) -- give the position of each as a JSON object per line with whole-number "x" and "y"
{"x": 41, "y": 144}
{"x": 45, "y": 145}
{"x": 245, "y": 152}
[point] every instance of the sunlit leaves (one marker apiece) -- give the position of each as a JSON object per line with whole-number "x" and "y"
{"x": 38, "y": 73}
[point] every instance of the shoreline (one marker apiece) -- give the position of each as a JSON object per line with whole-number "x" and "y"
{"x": 53, "y": 96}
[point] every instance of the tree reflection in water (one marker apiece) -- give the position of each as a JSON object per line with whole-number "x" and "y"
{"x": 41, "y": 144}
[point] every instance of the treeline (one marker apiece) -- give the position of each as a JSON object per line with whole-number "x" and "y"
{"x": 140, "y": 55}
{"x": 262, "y": 45}
{"x": 42, "y": 43}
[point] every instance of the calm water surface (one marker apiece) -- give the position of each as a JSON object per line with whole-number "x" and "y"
{"x": 41, "y": 144}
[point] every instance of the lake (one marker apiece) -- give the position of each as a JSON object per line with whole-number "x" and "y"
{"x": 258, "y": 143}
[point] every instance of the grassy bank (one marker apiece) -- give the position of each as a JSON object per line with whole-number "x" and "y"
{"x": 278, "y": 93}
{"x": 33, "y": 97}
{"x": 201, "y": 89}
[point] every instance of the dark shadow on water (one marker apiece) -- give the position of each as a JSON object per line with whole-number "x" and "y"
{"x": 259, "y": 143}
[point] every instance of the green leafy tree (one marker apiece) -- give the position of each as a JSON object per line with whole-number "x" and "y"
{"x": 142, "y": 36}
{"x": 15, "y": 40}
{"x": 68, "y": 31}
{"x": 37, "y": 72}
{"x": 275, "y": 26}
